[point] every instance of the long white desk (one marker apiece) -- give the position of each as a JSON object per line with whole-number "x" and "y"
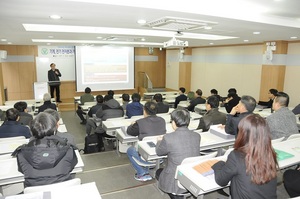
{"x": 87, "y": 190}
{"x": 10, "y": 146}
{"x": 115, "y": 124}
{"x": 9, "y": 173}
{"x": 125, "y": 139}
{"x": 198, "y": 184}
{"x": 208, "y": 141}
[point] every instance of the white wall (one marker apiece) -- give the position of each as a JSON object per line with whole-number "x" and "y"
{"x": 235, "y": 66}
{"x": 292, "y": 74}
{"x": 172, "y": 69}
{"x": 226, "y": 67}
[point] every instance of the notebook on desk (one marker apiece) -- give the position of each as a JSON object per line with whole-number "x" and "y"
{"x": 216, "y": 130}
{"x": 282, "y": 155}
{"x": 204, "y": 168}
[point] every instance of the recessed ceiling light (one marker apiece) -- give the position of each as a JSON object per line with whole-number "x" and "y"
{"x": 99, "y": 37}
{"x": 143, "y": 39}
{"x": 256, "y": 33}
{"x": 293, "y": 37}
{"x": 3, "y": 39}
{"x": 207, "y": 27}
{"x": 141, "y": 21}
{"x": 55, "y": 17}
{"x": 246, "y": 40}
{"x": 9, "y": 42}
{"x": 211, "y": 43}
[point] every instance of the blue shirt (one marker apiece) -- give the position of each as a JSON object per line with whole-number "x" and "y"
{"x": 133, "y": 109}
{"x": 13, "y": 129}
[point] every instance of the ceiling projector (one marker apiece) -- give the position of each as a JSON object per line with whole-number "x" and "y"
{"x": 175, "y": 43}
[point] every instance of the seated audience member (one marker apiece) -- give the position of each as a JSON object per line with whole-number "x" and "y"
{"x": 2, "y": 115}
{"x": 47, "y": 158}
{"x": 111, "y": 92}
{"x": 69, "y": 137}
{"x": 95, "y": 108}
{"x": 161, "y": 106}
{"x": 191, "y": 95}
{"x": 86, "y": 97}
{"x": 272, "y": 94}
{"x": 296, "y": 110}
{"x": 11, "y": 127}
{"x": 215, "y": 93}
{"x": 232, "y": 99}
{"x": 245, "y": 107}
{"x": 282, "y": 122}
{"x": 125, "y": 101}
{"x": 213, "y": 115}
{"x": 25, "y": 117}
{"x": 251, "y": 168}
{"x": 291, "y": 180}
{"x": 197, "y": 100}
{"x": 150, "y": 125}
{"x": 180, "y": 97}
{"x": 47, "y": 103}
{"x": 111, "y": 108}
{"x": 178, "y": 145}
{"x": 135, "y": 107}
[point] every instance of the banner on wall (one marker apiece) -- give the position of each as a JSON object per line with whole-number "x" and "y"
{"x": 62, "y": 56}
{"x": 56, "y": 51}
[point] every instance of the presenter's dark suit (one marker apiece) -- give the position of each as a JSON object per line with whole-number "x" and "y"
{"x": 52, "y": 76}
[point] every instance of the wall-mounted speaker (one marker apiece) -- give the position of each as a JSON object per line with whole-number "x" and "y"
{"x": 150, "y": 50}
{"x": 3, "y": 54}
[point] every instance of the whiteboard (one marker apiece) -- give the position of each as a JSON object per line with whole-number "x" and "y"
{"x": 40, "y": 88}
{"x": 64, "y": 62}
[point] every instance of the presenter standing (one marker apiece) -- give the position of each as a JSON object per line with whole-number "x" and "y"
{"x": 54, "y": 82}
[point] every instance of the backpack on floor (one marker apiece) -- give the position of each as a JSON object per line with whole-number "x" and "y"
{"x": 91, "y": 144}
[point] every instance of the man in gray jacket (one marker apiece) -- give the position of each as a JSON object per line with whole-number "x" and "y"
{"x": 150, "y": 125}
{"x": 180, "y": 144}
{"x": 282, "y": 122}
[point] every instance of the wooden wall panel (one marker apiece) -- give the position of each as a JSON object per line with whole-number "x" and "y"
{"x": 11, "y": 79}
{"x": 281, "y": 47}
{"x": 26, "y": 76}
{"x": 11, "y": 50}
{"x": 271, "y": 77}
{"x": 2, "y": 97}
{"x": 156, "y": 70}
{"x": 185, "y": 69}
{"x": 26, "y": 50}
{"x": 67, "y": 89}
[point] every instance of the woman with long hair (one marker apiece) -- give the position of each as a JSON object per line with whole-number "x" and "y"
{"x": 252, "y": 166}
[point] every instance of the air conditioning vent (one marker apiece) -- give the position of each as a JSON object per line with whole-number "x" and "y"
{"x": 179, "y": 24}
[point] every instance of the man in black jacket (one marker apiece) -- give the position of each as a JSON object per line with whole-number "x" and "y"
{"x": 54, "y": 82}
{"x": 180, "y": 97}
{"x": 196, "y": 101}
